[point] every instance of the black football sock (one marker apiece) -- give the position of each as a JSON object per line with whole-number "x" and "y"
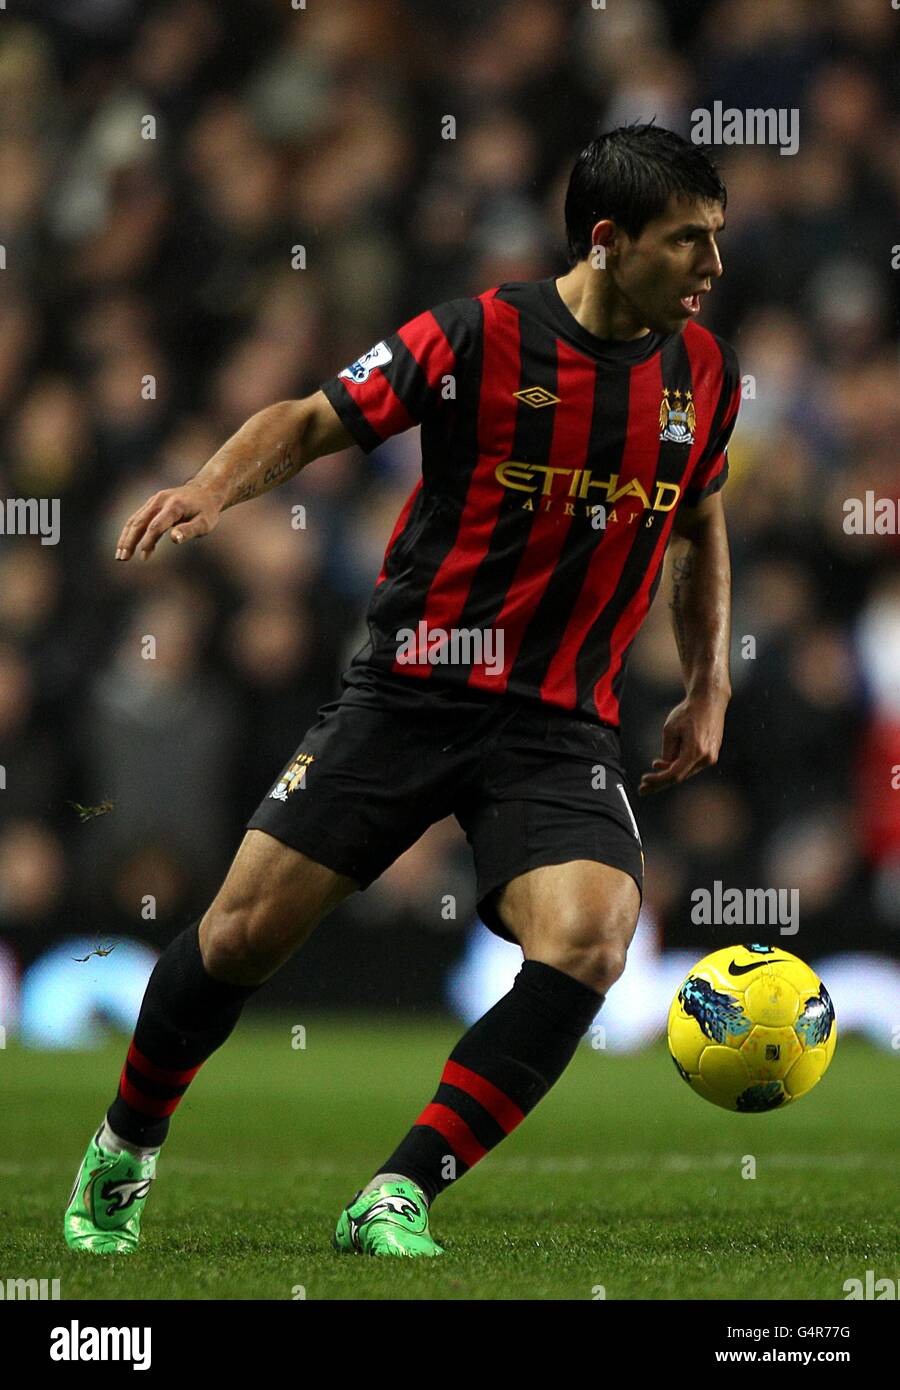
{"x": 496, "y": 1074}
{"x": 185, "y": 1016}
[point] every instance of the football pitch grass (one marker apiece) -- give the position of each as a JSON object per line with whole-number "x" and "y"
{"x": 622, "y": 1178}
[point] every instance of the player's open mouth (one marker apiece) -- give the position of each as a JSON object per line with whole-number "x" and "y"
{"x": 691, "y": 303}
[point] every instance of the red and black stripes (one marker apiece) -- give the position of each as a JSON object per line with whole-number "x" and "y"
{"x": 482, "y": 503}
{"x": 640, "y": 542}
{"x": 470, "y": 1113}
{"x": 529, "y": 425}
{"x": 495, "y": 1076}
{"x": 152, "y": 1090}
{"x": 715, "y": 363}
{"x": 185, "y": 1015}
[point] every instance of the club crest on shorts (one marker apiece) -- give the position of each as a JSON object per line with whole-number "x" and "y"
{"x": 360, "y": 370}
{"x": 294, "y": 776}
{"x": 677, "y": 417}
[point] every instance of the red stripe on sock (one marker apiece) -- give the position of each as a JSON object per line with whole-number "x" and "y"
{"x": 489, "y": 1097}
{"x": 455, "y": 1130}
{"x": 166, "y": 1076}
{"x": 147, "y": 1105}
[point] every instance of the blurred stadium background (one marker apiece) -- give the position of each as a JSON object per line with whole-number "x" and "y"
{"x": 175, "y": 258}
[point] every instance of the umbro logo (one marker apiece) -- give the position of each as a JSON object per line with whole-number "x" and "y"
{"x": 537, "y": 397}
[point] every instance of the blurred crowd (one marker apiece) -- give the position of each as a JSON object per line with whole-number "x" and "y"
{"x": 206, "y": 207}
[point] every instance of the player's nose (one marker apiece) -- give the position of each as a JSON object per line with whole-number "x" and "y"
{"x": 710, "y": 264}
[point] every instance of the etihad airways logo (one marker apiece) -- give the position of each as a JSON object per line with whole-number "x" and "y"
{"x": 565, "y": 488}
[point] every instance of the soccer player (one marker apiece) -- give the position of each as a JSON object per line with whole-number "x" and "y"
{"x": 571, "y": 430}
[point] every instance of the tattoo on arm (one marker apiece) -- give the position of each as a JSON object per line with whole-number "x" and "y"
{"x": 276, "y": 473}
{"x": 282, "y": 469}
{"x": 682, "y": 569}
{"x": 250, "y": 490}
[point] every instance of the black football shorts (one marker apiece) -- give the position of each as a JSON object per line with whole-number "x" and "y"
{"x": 529, "y": 785}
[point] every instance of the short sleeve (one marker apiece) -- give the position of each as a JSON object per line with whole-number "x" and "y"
{"x": 404, "y": 379}
{"x": 712, "y": 469}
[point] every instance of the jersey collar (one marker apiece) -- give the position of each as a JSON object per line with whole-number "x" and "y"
{"x": 628, "y": 351}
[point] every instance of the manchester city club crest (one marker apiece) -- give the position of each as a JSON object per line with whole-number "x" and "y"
{"x": 293, "y": 778}
{"x": 677, "y": 417}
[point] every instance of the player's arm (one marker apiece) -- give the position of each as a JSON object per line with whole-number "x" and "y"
{"x": 272, "y": 446}
{"x": 701, "y": 617}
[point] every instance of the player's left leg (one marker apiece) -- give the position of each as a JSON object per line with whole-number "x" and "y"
{"x": 579, "y": 918}
{"x": 574, "y": 922}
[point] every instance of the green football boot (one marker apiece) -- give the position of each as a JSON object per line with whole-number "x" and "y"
{"x": 389, "y": 1220}
{"x": 107, "y": 1201}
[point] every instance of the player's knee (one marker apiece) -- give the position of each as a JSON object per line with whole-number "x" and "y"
{"x": 593, "y": 950}
{"x": 236, "y": 947}
{"x": 599, "y": 964}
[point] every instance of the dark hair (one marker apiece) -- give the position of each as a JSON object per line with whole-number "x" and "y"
{"x": 629, "y": 175}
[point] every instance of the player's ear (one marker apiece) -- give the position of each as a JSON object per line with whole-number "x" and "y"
{"x": 603, "y": 238}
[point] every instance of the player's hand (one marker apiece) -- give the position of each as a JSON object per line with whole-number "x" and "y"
{"x": 187, "y": 511}
{"x": 692, "y": 737}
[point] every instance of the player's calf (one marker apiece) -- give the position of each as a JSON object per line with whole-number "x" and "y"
{"x": 270, "y": 902}
{"x": 574, "y": 923}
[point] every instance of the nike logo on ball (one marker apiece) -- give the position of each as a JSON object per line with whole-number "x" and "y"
{"x": 735, "y": 969}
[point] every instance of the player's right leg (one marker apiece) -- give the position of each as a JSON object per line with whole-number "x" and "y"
{"x": 272, "y": 898}
{"x": 378, "y": 766}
